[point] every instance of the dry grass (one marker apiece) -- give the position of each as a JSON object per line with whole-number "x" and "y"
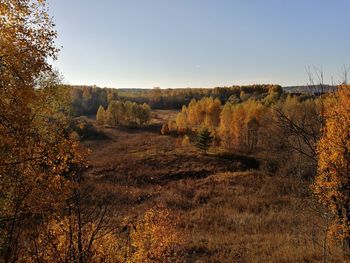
{"x": 246, "y": 217}
{"x": 228, "y": 212}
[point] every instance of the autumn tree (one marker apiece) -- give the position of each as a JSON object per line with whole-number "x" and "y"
{"x": 332, "y": 183}
{"x": 111, "y": 95}
{"x": 225, "y": 125}
{"x": 101, "y": 116}
{"x": 112, "y": 114}
{"x": 213, "y": 110}
{"x": 143, "y": 114}
{"x": 273, "y": 95}
{"x": 119, "y": 112}
{"x": 252, "y": 134}
{"x": 181, "y": 122}
{"x": 152, "y": 238}
{"x": 205, "y": 112}
{"x": 127, "y": 113}
{"x": 38, "y": 157}
{"x": 294, "y": 130}
{"x": 240, "y": 125}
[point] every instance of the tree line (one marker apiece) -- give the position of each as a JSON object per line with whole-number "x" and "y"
{"x": 50, "y": 212}
{"x": 87, "y": 99}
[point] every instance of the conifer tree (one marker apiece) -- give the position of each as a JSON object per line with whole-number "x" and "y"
{"x": 204, "y": 139}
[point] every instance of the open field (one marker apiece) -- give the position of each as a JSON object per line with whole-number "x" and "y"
{"x": 174, "y": 131}
{"x": 226, "y": 209}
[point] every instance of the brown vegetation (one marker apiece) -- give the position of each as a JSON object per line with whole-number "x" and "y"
{"x": 225, "y": 209}
{"x": 147, "y": 197}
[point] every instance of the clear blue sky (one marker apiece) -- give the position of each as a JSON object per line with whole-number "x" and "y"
{"x": 200, "y": 43}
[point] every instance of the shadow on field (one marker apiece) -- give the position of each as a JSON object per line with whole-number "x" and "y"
{"x": 168, "y": 167}
{"x": 247, "y": 162}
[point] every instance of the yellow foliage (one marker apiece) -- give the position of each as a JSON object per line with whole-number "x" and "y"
{"x": 101, "y": 116}
{"x": 125, "y": 113}
{"x": 39, "y": 160}
{"x": 58, "y": 240}
{"x": 181, "y": 122}
{"x": 240, "y": 124}
{"x": 172, "y": 126}
{"x": 205, "y": 112}
{"x": 153, "y": 238}
{"x": 332, "y": 184}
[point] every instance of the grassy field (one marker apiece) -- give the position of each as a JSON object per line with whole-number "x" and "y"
{"x": 225, "y": 209}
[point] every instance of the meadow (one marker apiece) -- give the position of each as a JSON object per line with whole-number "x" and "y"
{"x": 185, "y": 172}
{"x": 223, "y": 206}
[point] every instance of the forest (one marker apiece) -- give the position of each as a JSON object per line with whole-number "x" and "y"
{"x": 87, "y": 99}
{"x": 245, "y": 173}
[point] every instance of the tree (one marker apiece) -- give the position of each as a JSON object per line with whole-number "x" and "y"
{"x": 145, "y": 114}
{"x": 38, "y": 157}
{"x": 332, "y": 183}
{"x": 225, "y": 125}
{"x": 152, "y": 238}
{"x": 204, "y": 139}
{"x": 295, "y": 129}
{"x": 252, "y": 134}
{"x": 112, "y": 114}
{"x": 127, "y": 113}
{"x": 237, "y": 125}
{"x": 213, "y": 110}
{"x": 181, "y": 122}
{"x": 101, "y": 116}
{"x": 112, "y": 94}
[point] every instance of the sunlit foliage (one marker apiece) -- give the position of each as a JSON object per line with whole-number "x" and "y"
{"x": 240, "y": 125}
{"x": 197, "y": 114}
{"x": 101, "y": 116}
{"x": 38, "y": 156}
{"x": 124, "y": 113}
{"x": 332, "y": 183}
{"x": 153, "y": 238}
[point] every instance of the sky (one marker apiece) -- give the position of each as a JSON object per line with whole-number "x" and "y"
{"x": 200, "y": 43}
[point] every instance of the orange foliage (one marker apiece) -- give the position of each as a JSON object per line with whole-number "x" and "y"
{"x": 58, "y": 239}
{"x": 153, "y": 238}
{"x": 332, "y": 184}
{"x": 240, "y": 125}
{"x": 38, "y": 157}
{"x": 205, "y": 112}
